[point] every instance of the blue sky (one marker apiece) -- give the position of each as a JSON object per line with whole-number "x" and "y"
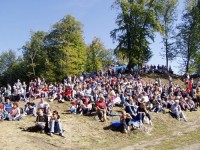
{"x": 19, "y": 17}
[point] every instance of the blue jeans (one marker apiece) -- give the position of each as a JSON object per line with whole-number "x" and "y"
{"x": 141, "y": 115}
{"x": 122, "y": 98}
{"x": 12, "y": 118}
{"x": 131, "y": 110}
{"x": 125, "y": 123}
{"x": 31, "y": 111}
{"x": 55, "y": 127}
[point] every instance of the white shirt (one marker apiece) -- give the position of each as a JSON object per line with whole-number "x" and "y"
{"x": 42, "y": 105}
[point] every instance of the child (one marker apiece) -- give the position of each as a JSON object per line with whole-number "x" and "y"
{"x": 124, "y": 120}
{"x": 14, "y": 113}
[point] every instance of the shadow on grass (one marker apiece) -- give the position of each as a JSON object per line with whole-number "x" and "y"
{"x": 36, "y": 129}
{"x": 112, "y": 128}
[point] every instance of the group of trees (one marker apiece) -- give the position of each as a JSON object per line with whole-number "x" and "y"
{"x": 139, "y": 20}
{"x": 55, "y": 54}
{"x": 62, "y": 51}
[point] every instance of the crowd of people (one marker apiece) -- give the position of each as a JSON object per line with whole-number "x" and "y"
{"x": 99, "y": 94}
{"x": 141, "y": 69}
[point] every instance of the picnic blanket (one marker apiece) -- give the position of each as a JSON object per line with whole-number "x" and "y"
{"x": 133, "y": 122}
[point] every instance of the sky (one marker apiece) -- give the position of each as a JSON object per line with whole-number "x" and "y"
{"x": 20, "y": 17}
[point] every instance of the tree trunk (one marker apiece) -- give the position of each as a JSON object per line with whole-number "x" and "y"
{"x": 130, "y": 65}
{"x": 166, "y": 47}
{"x": 33, "y": 67}
{"x": 188, "y": 59}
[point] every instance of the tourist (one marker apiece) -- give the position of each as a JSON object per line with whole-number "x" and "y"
{"x": 14, "y": 114}
{"x": 43, "y": 105}
{"x": 30, "y": 108}
{"x": 124, "y": 120}
{"x": 101, "y": 109}
{"x": 41, "y": 121}
{"x": 177, "y": 112}
{"x": 7, "y": 107}
{"x": 55, "y": 124}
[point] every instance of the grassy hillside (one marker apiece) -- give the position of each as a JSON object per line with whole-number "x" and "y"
{"x": 86, "y": 132}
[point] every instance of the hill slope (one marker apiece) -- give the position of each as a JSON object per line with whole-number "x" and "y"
{"x": 86, "y": 132}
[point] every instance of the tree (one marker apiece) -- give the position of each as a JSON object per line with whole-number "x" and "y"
{"x": 137, "y": 22}
{"x": 66, "y": 48}
{"x": 97, "y": 56}
{"x": 34, "y": 54}
{"x": 6, "y": 60}
{"x": 12, "y": 68}
{"x": 188, "y": 38}
{"x": 168, "y": 17}
{"x": 108, "y": 58}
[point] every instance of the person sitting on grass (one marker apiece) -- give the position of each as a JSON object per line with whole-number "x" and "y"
{"x": 7, "y": 107}
{"x": 86, "y": 106}
{"x": 183, "y": 104}
{"x": 43, "y": 105}
{"x": 73, "y": 108}
{"x": 59, "y": 96}
{"x": 41, "y": 120}
{"x": 191, "y": 104}
{"x": 143, "y": 113}
{"x": 2, "y": 116}
{"x": 30, "y": 108}
{"x": 101, "y": 109}
{"x": 124, "y": 120}
{"x": 68, "y": 93}
{"x": 131, "y": 107}
{"x": 14, "y": 113}
{"x": 55, "y": 124}
{"x": 176, "y": 111}
{"x": 40, "y": 123}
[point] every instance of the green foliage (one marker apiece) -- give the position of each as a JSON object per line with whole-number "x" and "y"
{"x": 34, "y": 54}
{"x": 196, "y": 63}
{"x": 66, "y": 49}
{"x": 97, "y": 56}
{"x": 12, "y": 68}
{"x": 168, "y": 17}
{"x": 188, "y": 39}
{"x": 6, "y": 60}
{"x": 137, "y": 22}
